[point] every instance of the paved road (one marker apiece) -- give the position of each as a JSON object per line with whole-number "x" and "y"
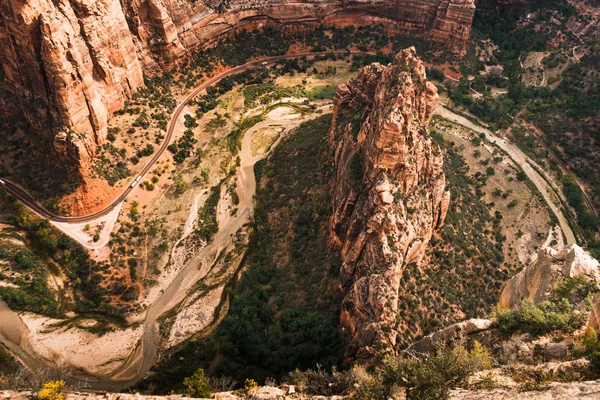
{"x": 24, "y": 197}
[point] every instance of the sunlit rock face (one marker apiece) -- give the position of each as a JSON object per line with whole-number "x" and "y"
{"x": 389, "y": 193}
{"x": 71, "y": 63}
{"x": 537, "y": 281}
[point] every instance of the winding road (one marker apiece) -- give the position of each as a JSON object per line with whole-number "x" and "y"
{"x": 523, "y": 161}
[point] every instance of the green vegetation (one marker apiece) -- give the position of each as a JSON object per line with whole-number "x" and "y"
{"x": 426, "y": 376}
{"x": 234, "y": 139}
{"x": 589, "y": 347}
{"x": 47, "y": 252}
{"x": 537, "y": 319}
{"x": 182, "y": 147}
{"x": 180, "y": 185}
{"x": 111, "y": 163}
{"x": 466, "y": 269}
{"x": 29, "y": 159}
{"x": 430, "y": 376}
{"x": 208, "y": 225}
{"x": 576, "y": 289}
{"x": 565, "y": 114}
{"x": 560, "y": 313}
{"x": 196, "y": 385}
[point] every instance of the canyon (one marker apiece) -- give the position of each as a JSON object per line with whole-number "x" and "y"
{"x": 302, "y": 214}
{"x": 67, "y": 65}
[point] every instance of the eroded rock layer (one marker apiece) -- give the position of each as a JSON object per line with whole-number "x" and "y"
{"x": 389, "y": 195}
{"x": 72, "y": 62}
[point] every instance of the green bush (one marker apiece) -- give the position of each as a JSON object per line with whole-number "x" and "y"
{"x": 548, "y": 316}
{"x": 575, "y": 289}
{"x": 430, "y": 376}
{"x": 589, "y": 347}
{"x": 196, "y": 385}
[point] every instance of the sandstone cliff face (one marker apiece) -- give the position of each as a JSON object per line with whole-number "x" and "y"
{"x": 73, "y": 62}
{"x": 75, "y": 56}
{"x": 537, "y": 280}
{"x": 389, "y": 194}
{"x": 166, "y": 29}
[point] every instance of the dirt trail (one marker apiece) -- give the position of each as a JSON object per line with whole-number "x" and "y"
{"x": 523, "y": 161}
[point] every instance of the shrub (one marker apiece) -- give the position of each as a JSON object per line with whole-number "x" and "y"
{"x": 320, "y": 382}
{"x": 250, "y": 384}
{"x": 589, "y": 347}
{"x": 548, "y": 316}
{"x": 196, "y": 385}
{"x": 430, "y": 376}
{"x": 180, "y": 186}
{"x": 190, "y": 122}
{"x": 221, "y": 384}
{"x": 52, "y": 390}
{"x": 575, "y": 289}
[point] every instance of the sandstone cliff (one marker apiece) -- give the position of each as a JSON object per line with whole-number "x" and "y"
{"x": 537, "y": 280}
{"x": 70, "y": 63}
{"x": 389, "y": 194}
{"x": 75, "y": 56}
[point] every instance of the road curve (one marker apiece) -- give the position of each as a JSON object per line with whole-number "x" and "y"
{"x": 24, "y": 197}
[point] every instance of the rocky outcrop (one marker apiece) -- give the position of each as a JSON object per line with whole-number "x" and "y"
{"x": 73, "y": 62}
{"x": 537, "y": 281}
{"x": 259, "y": 393}
{"x": 554, "y": 390}
{"x": 389, "y": 193}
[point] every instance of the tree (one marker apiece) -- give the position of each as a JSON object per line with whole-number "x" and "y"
{"x": 180, "y": 186}
{"x": 196, "y": 385}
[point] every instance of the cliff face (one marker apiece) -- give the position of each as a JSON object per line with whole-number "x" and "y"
{"x": 165, "y": 29}
{"x": 77, "y": 56}
{"x": 389, "y": 194}
{"x": 537, "y": 281}
{"x": 70, "y": 63}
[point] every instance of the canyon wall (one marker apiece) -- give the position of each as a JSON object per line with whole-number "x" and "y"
{"x": 389, "y": 194}
{"x": 68, "y": 64}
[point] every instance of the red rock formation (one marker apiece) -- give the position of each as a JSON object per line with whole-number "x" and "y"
{"x": 389, "y": 194}
{"x": 77, "y": 56}
{"x": 167, "y": 28}
{"x": 82, "y": 58}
